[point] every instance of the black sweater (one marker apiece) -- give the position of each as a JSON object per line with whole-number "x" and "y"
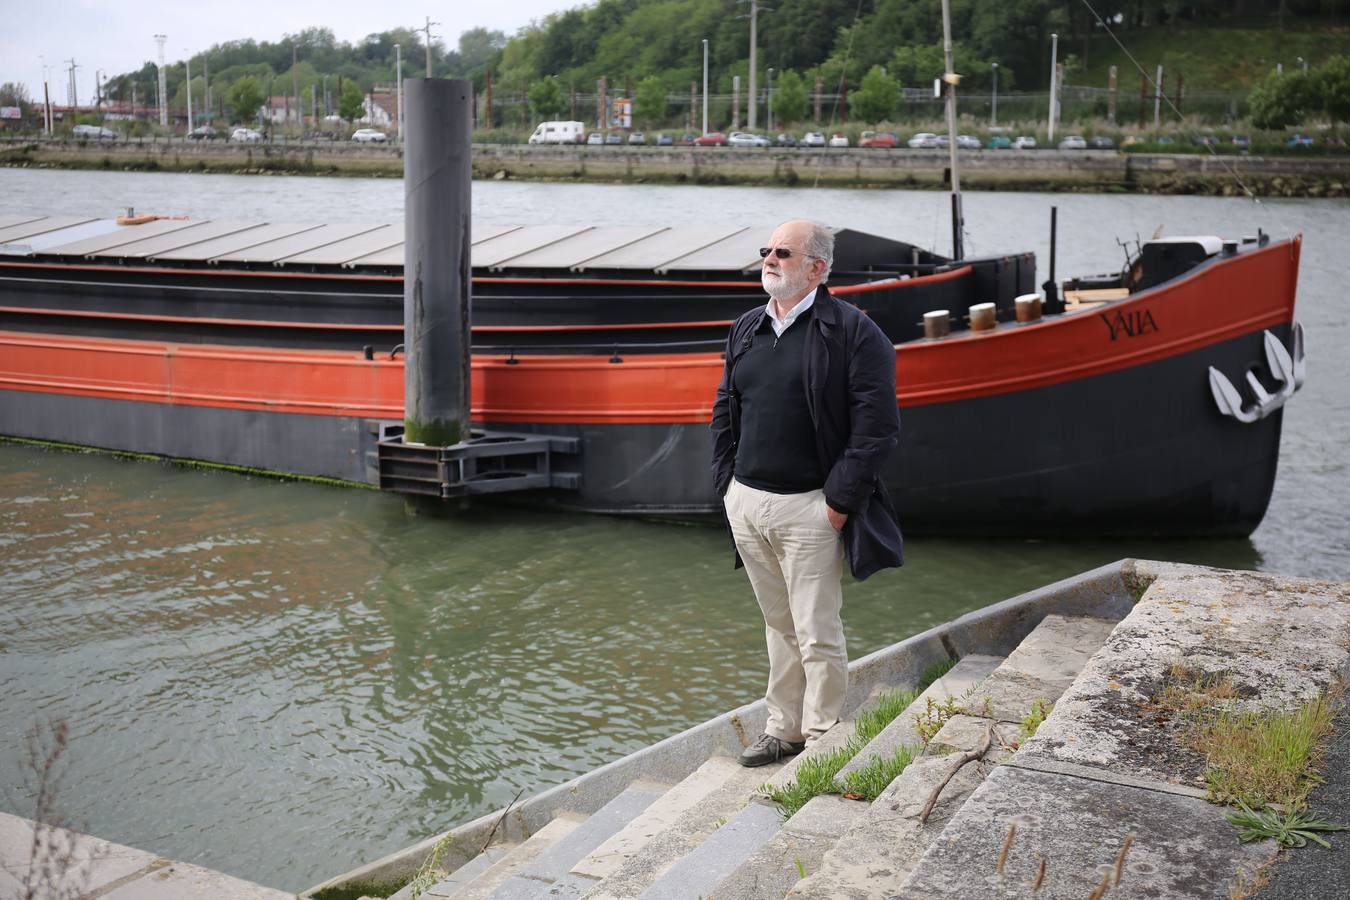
{"x": 777, "y": 449}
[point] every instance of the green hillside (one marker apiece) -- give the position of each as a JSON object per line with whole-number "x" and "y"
{"x": 1213, "y": 56}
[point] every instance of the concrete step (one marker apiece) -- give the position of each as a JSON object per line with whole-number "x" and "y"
{"x": 1044, "y": 664}
{"x": 803, "y": 841}
{"x": 797, "y": 848}
{"x": 831, "y": 740}
{"x": 699, "y": 872}
{"x": 461, "y": 876}
{"x": 960, "y": 683}
{"x": 606, "y": 859}
{"x": 873, "y": 858}
{"x": 734, "y": 784}
{"x": 514, "y": 861}
{"x": 536, "y": 878}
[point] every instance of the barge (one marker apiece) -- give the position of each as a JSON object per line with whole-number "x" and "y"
{"x": 1143, "y": 402}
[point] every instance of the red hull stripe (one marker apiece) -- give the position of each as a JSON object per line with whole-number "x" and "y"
{"x": 1229, "y": 298}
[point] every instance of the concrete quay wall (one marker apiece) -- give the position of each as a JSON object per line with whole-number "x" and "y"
{"x": 1048, "y": 170}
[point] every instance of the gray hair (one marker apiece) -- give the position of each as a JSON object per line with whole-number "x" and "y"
{"x": 820, "y": 244}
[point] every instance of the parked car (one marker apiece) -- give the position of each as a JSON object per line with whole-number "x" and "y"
{"x": 967, "y": 142}
{"x": 942, "y": 142}
{"x": 813, "y": 139}
{"x": 637, "y": 138}
{"x": 882, "y": 139}
{"x": 1205, "y": 140}
{"x": 1242, "y": 140}
{"x": 613, "y": 138}
{"x": 369, "y": 136}
{"x": 94, "y": 133}
{"x": 746, "y": 139}
{"x": 246, "y": 136}
{"x": 595, "y": 137}
{"x": 711, "y": 139}
{"x": 1131, "y": 140}
{"x": 687, "y": 139}
{"x": 1164, "y": 140}
{"x": 1024, "y": 142}
{"x": 838, "y": 139}
{"x": 1299, "y": 140}
{"x": 999, "y": 142}
{"x": 320, "y": 135}
{"x": 924, "y": 140}
{"x": 1333, "y": 140}
{"x": 664, "y": 140}
{"x": 203, "y": 133}
{"x": 1073, "y": 142}
{"x": 1101, "y": 143}
{"x": 785, "y": 140}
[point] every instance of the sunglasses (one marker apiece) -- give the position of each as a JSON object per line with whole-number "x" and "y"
{"x": 783, "y": 253}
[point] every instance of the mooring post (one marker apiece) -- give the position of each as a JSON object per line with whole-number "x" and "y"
{"x": 436, "y": 190}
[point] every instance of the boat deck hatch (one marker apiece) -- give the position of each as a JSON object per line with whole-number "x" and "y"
{"x": 490, "y": 462}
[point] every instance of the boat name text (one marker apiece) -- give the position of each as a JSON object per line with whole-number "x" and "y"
{"x": 1131, "y": 323}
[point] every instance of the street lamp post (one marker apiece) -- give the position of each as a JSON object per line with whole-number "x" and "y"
{"x": 705, "y": 85}
{"x": 188, "y": 62}
{"x": 993, "y": 113}
{"x": 1054, "y": 58}
{"x": 768, "y": 105}
{"x": 398, "y": 90}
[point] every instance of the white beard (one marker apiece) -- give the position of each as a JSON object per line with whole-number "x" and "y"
{"x": 785, "y": 285}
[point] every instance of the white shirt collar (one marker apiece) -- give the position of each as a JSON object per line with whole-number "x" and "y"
{"x": 781, "y": 325}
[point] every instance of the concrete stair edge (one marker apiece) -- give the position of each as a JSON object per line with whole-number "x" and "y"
{"x": 695, "y": 825}
{"x": 699, "y": 871}
{"x": 518, "y": 857}
{"x": 555, "y": 862}
{"x": 958, "y": 682}
{"x": 893, "y": 810}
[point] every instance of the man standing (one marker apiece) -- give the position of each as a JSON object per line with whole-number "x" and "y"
{"x": 804, "y": 418}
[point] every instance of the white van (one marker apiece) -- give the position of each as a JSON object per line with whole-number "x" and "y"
{"x": 559, "y": 133}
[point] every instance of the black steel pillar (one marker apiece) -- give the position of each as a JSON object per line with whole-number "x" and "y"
{"x": 436, "y": 185}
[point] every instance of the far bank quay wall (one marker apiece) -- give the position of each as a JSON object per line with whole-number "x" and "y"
{"x": 1047, "y": 170}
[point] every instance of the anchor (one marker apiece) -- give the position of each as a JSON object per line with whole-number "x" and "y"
{"x": 1288, "y": 369}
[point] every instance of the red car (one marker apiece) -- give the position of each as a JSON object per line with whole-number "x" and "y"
{"x": 884, "y": 139}
{"x": 711, "y": 139}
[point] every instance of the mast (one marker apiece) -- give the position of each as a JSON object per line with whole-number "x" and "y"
{"x": 950, "y": 78}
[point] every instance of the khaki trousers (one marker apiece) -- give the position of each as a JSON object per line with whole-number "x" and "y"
{"x": 795, "y": 560}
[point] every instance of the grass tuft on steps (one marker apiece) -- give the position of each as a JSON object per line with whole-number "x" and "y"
{"x": 819, "y": 775}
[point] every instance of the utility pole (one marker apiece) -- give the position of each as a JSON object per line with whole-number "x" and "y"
{"x": 993, "y": 112}
{"x": 1157, "y": 98}
{"x": 163, "y": 86}
{"x": 735, "y": 103}
{"x": 754, "y": 98}
{"x": 98, "y": 89}
{"x": 206, "y": 86}
{"x": 188, "y": 62}
{"x": 951, "y": 78}
{"x": 1111, "y": 96}
{"x": 1054, "y": 62}
{"x": 72, "y": 96}
{"x": 428, "y": 30}
{"x": 295, "y": 86}
{"x": 705, "y": 85}
{"x": 768, "y": 104}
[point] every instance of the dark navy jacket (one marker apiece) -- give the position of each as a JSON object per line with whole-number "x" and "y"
{"x": 849, "y": 374}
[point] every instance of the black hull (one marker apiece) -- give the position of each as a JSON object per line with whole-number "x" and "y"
{"x": 1139, "y": 453}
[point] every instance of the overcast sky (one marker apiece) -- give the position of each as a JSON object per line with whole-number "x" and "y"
{"x": 119, "y": 36}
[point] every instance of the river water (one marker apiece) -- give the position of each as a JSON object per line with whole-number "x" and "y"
{"x": 283, "y": 681}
